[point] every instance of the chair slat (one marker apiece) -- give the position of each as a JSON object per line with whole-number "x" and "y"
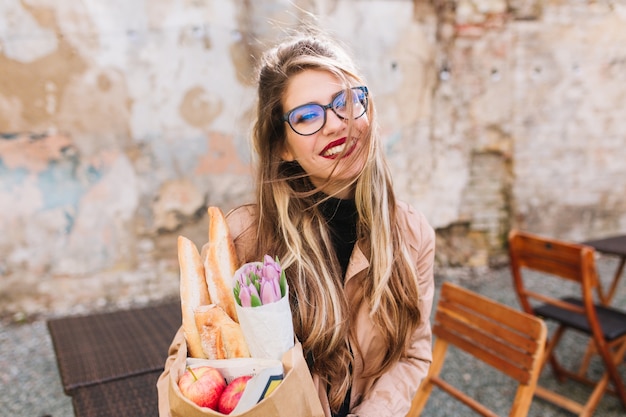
{"x": 556, "y": 302}
{"x": 476, "y": 346}
{"x": 478, "y": 337}
{"x": 487, "y": 308}
{"x": 505, "y": 366}
{"x": 494, "y": 326}
{"x": 552, "y": 257}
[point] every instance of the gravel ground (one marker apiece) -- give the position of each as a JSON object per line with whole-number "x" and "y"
{"x": 30, "y": 385}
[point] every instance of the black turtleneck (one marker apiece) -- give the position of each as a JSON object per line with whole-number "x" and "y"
{"x": 341, "y": 216}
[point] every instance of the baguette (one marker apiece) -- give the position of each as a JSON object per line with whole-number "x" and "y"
{"x": 193, "y": 292}
{"x": 220, "y": 336}
{"x": 220, "y": 263}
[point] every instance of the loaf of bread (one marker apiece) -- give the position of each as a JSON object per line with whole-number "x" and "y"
{"x": 193, "y": 292}
{"x": 209, "y": 315}
{"x": 220, "y": 263}
{"x": 220, "y": 336}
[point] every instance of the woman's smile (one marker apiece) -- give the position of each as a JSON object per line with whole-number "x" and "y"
{"x": 334, "y": 148}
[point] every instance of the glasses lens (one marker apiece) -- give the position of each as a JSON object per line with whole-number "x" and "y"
{"x": 307, "y": 119}
{"x": 358, "y": 107}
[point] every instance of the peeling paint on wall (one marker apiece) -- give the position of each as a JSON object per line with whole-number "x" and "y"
{"x": 39, "y": 80}
{"x": 221, "y": 158}
{"x": 64, "y": 200}
{"x": 199, "y": 108}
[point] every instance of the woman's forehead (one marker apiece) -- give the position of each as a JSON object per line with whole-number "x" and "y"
{"x": 311, "y": 86}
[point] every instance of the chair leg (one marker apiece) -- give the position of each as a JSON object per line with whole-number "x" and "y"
{"x": 426, "y": 387}
{"x": 589, "y": 352}
{"x": 557, "y": 369}
{"x": 560, "y": 373}
{"x": 596, "y": 396}
{"x": 618, "y": 383}
{"x": 615, "y": 355}
{"x": 522, "y": 400}
{"x": 612, "y": 357}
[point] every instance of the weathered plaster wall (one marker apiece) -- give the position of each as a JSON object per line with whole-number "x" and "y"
{"x": 121, "y": 121}
{"x": 570, "y": 122}
{"x": 528, "y": 119}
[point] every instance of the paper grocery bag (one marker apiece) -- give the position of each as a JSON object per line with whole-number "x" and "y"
{"x": 295, "y": 396}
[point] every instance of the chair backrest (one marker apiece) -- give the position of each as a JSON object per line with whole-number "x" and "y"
{"x": 570, "y": 261}
{"x": 505, "y": 338}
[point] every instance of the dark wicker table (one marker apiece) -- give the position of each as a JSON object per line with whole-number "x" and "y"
{"x": 109, "y": 362}
{"x": 614, "y": 245}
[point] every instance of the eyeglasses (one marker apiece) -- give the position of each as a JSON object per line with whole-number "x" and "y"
{"x": 309, "y": 119}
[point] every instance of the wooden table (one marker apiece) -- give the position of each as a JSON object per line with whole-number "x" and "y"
{"x": 615, "y": 245}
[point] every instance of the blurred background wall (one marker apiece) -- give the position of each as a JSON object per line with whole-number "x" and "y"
{"x": 121, "y": 121}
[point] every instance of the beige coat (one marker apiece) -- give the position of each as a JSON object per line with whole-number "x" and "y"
{"x": 391, "y": 394}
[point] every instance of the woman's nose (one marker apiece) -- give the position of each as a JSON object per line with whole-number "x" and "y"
{"x": 333, "y": 122}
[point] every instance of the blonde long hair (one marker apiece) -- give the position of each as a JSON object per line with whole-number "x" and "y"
{"x": 291, "y": 226}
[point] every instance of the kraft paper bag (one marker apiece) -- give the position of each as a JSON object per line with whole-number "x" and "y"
{"x": 295, "y": 396}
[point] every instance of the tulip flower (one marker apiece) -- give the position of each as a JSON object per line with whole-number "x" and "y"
{"x": 271, "y": 270}
{"x": 259, "y": 283}
{"x": 270, "y": 291}
{"x": 243, "y": 296}
{"x": 255, "y": 300}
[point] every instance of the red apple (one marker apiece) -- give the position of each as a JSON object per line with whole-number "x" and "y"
{"x": 202, "y": 385}
{"x": 231, "y": 395}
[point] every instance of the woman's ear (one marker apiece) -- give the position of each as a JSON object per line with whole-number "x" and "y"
{"x": 285, "y": 154}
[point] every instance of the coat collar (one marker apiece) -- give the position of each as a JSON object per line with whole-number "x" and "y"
{"x": 358, "y": 261}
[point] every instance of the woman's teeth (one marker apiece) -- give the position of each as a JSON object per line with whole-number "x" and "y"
{"x": 337, "y": 149}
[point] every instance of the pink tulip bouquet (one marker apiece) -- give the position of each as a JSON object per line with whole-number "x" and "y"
{"x": 259, "y": 283}
{"x": 262, "y": 301}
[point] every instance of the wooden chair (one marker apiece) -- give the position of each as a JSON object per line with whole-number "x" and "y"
{"x": 570, "y": 266}
{"x": 505, "y": 338}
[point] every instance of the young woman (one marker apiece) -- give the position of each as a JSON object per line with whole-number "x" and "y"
{"x": 359, "y": 263}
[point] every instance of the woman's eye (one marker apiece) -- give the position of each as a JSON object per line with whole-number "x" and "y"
{"x": 358, "y": 97}
{"x": 305, "y": 116}
{"x": 340, "y": 101}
